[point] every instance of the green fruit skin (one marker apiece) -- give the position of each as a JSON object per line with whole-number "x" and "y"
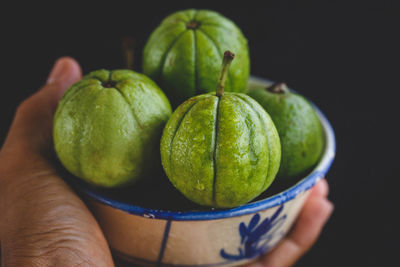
{"x": 110, "y": 136}
{"x": 300, "y": 130}
{"x": 186, "y": 62}
{"x": 220, "y": 151}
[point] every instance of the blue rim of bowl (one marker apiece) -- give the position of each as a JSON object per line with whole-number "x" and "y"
{"x": 303, "y": 185}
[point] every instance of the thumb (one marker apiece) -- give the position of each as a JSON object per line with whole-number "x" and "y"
{"x": 66, "y": 71}
{"x": 32, "y": 126}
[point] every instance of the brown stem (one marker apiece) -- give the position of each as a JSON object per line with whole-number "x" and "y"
{"x": 128, "y": 47}
{"x": 228, "y": 57}
{"x": 278, "y": 88}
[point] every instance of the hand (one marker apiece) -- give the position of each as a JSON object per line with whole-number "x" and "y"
{"x": 312, "y": 218}
{"x": 42, "y": 221}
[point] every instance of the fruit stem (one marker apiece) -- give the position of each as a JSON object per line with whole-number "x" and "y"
{"x": 278, "y": 88}
{"x": 192, "y": 25}
{"x": 228, "y": 57}
{"x": 128, "y": 45}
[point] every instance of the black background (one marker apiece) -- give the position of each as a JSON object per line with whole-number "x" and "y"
{"x": 343, "y": 56}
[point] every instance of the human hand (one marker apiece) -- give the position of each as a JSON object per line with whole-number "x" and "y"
{"x": 311, "y": 220}
{"x": 42, "y": 221}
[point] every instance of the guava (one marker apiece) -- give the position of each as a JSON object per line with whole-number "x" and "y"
{"x": 300, "y": 130}
{"x": 220, "y": 149}
{"x": 184, "y": 52}
{"x": 107, "y": 127}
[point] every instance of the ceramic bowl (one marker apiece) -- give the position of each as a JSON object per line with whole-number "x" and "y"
{"x": 228, "y": 237}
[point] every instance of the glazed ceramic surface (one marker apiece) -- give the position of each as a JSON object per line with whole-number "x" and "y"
{"x": 206, "y": 238}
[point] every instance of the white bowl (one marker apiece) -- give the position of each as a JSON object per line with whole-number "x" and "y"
{"x": 228, "y": 237}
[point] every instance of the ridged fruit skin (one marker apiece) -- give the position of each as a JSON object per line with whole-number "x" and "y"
{"x": 110, "y": 136}
{"x": 300, "y": 130}
{"x": 220, "y": 151}
{"x": 186, "y": 62}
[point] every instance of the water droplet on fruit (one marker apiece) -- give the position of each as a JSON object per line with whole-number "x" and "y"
{"x": 200, "y": 187}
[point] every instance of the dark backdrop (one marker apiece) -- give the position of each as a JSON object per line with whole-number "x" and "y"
{"x": 342, "y": 56}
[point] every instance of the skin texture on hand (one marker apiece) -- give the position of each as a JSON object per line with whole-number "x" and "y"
{"x": 43, "y": 222}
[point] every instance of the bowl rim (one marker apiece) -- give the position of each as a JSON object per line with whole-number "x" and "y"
{"x": 304, "y": 184}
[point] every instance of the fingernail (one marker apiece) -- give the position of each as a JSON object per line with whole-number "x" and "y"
{"x": 329, "y": 208}
{"x": 60, "y": 66}
{"x": 321, "y": 188}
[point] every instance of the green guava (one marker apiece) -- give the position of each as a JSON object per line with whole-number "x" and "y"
{"x": 300, "y": 131}
{"x": 183, "y": 54}
{"x": 108, "y": 126}
{"x": 220, "y": 149}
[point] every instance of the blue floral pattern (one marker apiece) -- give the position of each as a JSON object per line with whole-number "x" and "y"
{"x": 256, "y": 237}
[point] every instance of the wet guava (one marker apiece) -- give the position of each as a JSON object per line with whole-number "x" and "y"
{"x": 220, "y": 149}
{"x": 184, "y": 52}
{"x": 300, "y": 130}
{"x": 107, "y": 127}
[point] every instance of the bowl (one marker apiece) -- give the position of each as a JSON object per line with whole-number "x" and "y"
{"x": 163, "y": 237}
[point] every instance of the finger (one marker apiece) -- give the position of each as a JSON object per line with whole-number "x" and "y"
{"x": 312, "y": 218}
{"x": 31, "y": 128}
{"x": 320, "y": 189}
